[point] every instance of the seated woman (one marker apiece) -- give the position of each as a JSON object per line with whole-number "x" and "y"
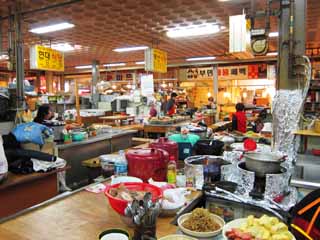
{"x": 44, "y": 113}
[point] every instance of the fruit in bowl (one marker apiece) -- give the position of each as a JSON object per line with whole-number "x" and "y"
{"x": 251, "y": 228}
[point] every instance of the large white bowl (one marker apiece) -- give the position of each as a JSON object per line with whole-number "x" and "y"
{"x": 184, "y": 217}
{"x": 236, "y": 224}
{"x": 177, "y": 237}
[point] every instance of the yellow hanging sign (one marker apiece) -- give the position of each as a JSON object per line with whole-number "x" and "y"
{"x": 155, "y": 60}
{"x": 44, "y": 58}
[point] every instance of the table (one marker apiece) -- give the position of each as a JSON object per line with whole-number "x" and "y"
{"x": 19, "y": 192}
{"x": 74, "y": 153}
{"x": 162, "y": 128}
{"x": 116, "y": 119}
{"x": 82, "y": 215}
{"x": 305, "y": 134}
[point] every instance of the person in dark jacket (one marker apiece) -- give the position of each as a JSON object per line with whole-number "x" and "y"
{"x": 44, "y": 113}
{"x": 239, "y": 119}
{"x": 171, "y": 104}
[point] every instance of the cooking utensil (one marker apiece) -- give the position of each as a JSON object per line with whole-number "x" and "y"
{"x": 263, "y": 163}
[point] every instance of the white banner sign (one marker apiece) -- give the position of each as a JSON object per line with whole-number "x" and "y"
{"x": 147, "y": 86}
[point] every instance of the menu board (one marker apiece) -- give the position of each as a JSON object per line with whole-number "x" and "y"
{"x": 155, "y": 60}
{"x": 44, "y": 58}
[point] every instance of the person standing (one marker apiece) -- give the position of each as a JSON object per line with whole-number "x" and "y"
{"x": 171, "y": 105}
{"x": 153, "y": 111}
{"x": 211, "y": 104}
{"x": 239, "y": 119}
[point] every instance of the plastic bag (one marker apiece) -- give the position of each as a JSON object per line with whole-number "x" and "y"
{"x": 31, "y": 132}
{"x": 3, "y": 159}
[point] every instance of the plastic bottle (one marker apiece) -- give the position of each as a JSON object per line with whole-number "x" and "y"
{"x": 121, "y": 165}
{"x": 172, "y": 172}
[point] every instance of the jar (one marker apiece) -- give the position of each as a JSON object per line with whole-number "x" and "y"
{"x": 181, "y": 179}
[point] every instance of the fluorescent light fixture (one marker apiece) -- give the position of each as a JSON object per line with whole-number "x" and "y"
{"x": 52, "y": 28}
{"x": 4, "y": 57}
{"x": 140, "y": 63}
{"x": 130, "y": 49}
{"x": 114, "y": 64}
{"x": 193, "y": 31}
{"x": 63, "y": 47}
{"x": 200, "y": 58}
{"x": 272, "y": 54}
{"x": 83, "y": 67}
{"x": 273, "y": 34}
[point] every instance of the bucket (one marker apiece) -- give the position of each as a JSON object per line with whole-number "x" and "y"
{"x": 209, "y": 147}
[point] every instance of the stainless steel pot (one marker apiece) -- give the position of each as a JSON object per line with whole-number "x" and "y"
{"x": 263, "y": 163}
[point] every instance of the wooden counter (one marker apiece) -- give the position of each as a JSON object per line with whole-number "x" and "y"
{"x": 81, "y": 216}
{"x": 304, "y": 137}
{"x": 19, "y": 191}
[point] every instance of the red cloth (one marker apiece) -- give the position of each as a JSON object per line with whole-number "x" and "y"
{"x": 172, "y": 110}
{"x": 241, "y": 121}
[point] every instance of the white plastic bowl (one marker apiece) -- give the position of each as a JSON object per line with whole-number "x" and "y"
{"x": 122, "y": 179}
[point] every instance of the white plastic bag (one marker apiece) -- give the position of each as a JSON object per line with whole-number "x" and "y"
{"x": 3, "y": 159}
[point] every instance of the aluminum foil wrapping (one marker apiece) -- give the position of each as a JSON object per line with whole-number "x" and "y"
{"x": 276, "y": 184}
{"x": 229, "y": 173}
{"x": 245, "y": 181}
{"x": 232, "y": 156}
{"x": 287, "y": 106}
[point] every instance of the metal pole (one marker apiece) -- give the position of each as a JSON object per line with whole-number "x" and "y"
{"x": 215, "y": 90}
{"x": 299, "y": 30}
{"x": 284, "y": 69}
{"x": 95, "y": 80}
{"x": 11, "y": 48}
{"x": 1, "y": 35}
{"x": 19, "y": 60}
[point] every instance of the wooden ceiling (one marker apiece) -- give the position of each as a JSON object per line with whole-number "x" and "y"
{"x": 102, "y": 25}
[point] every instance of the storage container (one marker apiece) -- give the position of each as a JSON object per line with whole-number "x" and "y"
{"x": 146, "y": 163}
{"x": 167, "y": 145}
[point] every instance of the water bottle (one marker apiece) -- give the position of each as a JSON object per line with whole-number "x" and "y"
{"x": 121, "y": 165}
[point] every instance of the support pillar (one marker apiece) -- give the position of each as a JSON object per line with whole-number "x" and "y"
{"x": 95, "y": 80}
{"x": 49, "y": 81}
{"x": 19, "y": 60}
{"x": 62, "y": 82}
{"x": 215, "y": 90}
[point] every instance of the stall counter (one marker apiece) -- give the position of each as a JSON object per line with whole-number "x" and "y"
{"x": 81, "y": 215}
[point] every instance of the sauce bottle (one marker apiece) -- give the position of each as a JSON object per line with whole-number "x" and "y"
{"x": 172, "y": 172}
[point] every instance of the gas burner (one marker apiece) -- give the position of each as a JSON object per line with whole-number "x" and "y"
{"x": 257, "y": 187}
